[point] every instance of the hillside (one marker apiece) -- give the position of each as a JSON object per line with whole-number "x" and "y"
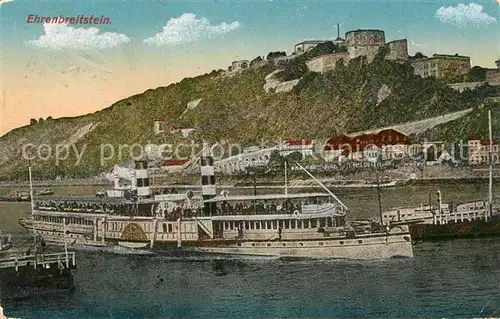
{"x": 238, "y": 109}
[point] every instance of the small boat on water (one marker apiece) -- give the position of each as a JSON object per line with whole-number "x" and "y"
{"x": 45, "y": 192}
{"x": 445, "y": 221}
{"x": 100, "y": 193}
{"x": 112, "y": 249}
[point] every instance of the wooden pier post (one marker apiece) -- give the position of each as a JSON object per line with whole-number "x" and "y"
{"x": 179, "y": 240}
{"x": 153, "y": 236}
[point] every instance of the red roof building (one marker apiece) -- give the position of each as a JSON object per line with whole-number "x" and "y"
{"x": 480, "y": 150}
{"x": 175, "y": 162}
{"x": 359, "y": 142}
{"x": 159, "y": 118}
{"x": 337, "y": 142}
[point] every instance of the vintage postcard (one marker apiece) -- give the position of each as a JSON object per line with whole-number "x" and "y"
{"x": 250, "y": 159}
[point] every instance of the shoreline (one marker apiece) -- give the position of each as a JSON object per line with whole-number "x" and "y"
{"x": 358, "y": 179}
{"x": 295, "y": 183}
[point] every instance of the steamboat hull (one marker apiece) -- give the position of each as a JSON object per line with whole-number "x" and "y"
{"x": 472, "y": 229}
{"x": 330, "y": 249}
{"x": 360, "y": 247}
{"x": 30, "y": 282}
{"x": 365, "y": 247}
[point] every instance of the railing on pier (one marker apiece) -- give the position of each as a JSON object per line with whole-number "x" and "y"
{"x": 40, "y": 260}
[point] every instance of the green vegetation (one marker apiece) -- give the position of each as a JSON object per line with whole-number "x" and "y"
{"x": 238, "y": 110}
{"x": 297, "y": 68}
{"x": 475, "y": 124}
{"x": 477, "y": 74}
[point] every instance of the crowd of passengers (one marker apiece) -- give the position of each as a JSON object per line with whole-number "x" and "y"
{"x": 72, "y": 206}
{"x": 226, "y": 208}
{"x": 260, "y": 208}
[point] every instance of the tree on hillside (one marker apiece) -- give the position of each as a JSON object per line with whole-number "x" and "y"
{"x": 276, "y": 161}
{"x": 294, "y": 157}
{"x": 419, "y": 55}
{"x": 274, "y": 55}
{"x": 324, "y": 48}
{"x": 33, "y": 122}
{"x": 256, "y": 60}
{"x": 477, "y": 74}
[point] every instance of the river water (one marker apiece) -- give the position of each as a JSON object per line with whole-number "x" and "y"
{"x": 459, "y": 278}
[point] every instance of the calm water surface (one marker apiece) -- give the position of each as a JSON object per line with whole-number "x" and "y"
{"x": 454, "y": 279}
{"x": 451, "y": 279}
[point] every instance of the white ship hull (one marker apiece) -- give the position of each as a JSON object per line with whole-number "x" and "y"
{"x": 373, "y": 246}
{"x": 370, "y": 248}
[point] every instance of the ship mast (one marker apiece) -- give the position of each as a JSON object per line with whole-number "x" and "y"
{"x": 378, "y": 194}
{"x": 32, "y": 204}
{"x": 490, "y": 189}
{"x": 286, "y": 182}
{"x": 323, "y": 186}
{"x": 31, "y": 191}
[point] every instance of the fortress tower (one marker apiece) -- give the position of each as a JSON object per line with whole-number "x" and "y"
{"x": 364, "y": 43}
{"x": 398, "y": 50}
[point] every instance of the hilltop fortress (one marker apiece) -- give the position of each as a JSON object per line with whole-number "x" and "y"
{"x": 368, "y": 42}
{"x": 361, "y": 42}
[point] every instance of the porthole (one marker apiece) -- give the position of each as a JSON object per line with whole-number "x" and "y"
{"x": 341, "y": 242}
{"x": 239, "y": 244}
{"x": 320, "y": 243}
{"x": 301, "y": 244}
{"x": 360, "y": 241}
{"x": 268, "y": 244}
{"x": 284, "y": 244}
{"x": 253, "y": 244}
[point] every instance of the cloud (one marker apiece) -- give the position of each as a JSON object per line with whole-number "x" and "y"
{"x": 4, "y": 1}
{"x": 189, "y": 28}
{"x": 61, "y": 36}
{"x": 464, "y": 15}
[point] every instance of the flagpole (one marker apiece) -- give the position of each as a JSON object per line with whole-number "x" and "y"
{"x": 490, "y": 189}
{"x": 32, "y": 202}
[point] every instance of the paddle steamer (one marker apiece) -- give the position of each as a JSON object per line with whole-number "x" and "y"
{"x": 444, "y": 221}
{"x": 276, "y": 225}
